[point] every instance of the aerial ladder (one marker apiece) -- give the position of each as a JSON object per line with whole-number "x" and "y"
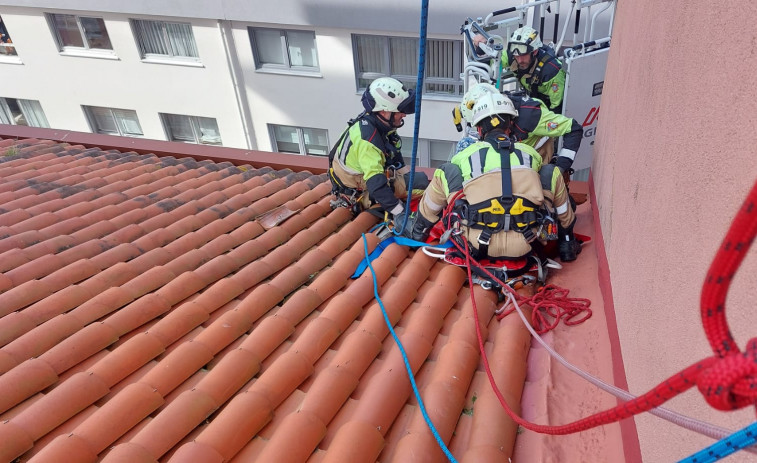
{"x": 584, "y": 56}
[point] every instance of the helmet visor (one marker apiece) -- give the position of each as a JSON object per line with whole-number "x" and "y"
{"x": 408, "y": 104}
{"x": 517, "y": 49}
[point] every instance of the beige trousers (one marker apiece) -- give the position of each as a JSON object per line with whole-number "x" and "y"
{"x": 396, "y": 182}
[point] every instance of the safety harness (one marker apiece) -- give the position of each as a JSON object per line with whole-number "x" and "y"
{"x": 350, "y": 198}
{"x": 344, "y": 196}
{"x": 508, "y": 211}
{"x": 537, "y": 75}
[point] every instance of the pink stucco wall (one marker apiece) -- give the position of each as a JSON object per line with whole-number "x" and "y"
{"x": 676, "y": 154}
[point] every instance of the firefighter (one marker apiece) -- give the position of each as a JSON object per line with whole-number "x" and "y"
{"x": 505, "y": 187}
{"x": 535, "y": 126}
{"x": 535, "y": 66}
{"x": 366, "y": 164}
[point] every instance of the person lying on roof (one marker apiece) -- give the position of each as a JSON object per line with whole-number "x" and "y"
{"x": 366, "y": 164}
{"x": 507, "y": 192}
{"x": 535, "y": 126}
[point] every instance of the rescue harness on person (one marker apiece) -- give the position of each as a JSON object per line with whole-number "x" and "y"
{"x": 343, "y": 195}
{"x": 350, "y": 198}
{"x": 508, "y": 212}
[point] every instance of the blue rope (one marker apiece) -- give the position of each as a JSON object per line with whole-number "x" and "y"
{"x": 418, "y": 98}
{"x": 736, "y": 441}
{"x": 405, "y": 359}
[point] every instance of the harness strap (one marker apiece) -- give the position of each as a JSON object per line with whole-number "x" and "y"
{"x": 483, "y": 244}
{"x": 507, "y": 179}
{"x": 350, "y": 123}
{"x": 338, "y": 186}
{"x": 486, "y": 219}
{"x": 536, "y": 76}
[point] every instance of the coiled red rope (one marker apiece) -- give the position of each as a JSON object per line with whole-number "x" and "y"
{"x": 728, "y": 380}
{"x": 550, "y": 305}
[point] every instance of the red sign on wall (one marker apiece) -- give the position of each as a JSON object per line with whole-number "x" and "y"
{"x": 591, "y": 117}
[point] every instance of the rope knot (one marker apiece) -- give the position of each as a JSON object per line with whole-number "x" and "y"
{"x": 731, "y": 382}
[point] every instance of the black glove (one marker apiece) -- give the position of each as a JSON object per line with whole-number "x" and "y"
{"x": 417, "y": 227}
{"x": 420, "y": 180}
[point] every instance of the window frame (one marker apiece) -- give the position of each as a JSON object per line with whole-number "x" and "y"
{"x": 8, "y": 46}
{"x": 300, "y": 137}
{"x": 160, "y": 58}
{"x": 288, "y": 67}
{"x": 4, "y": 104}
{"x": 194, "y": 123}
{"x": 410, "y": 81}
{"x": 423, "y": 156}
{"x": 71, "y": 48}
{"x": 94, "y": 127}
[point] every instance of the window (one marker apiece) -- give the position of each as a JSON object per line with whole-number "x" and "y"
{"x": 80, "y": 32}
{"x": 284, "y": 49}
{"x": 191, "y": 129}
{"x": 298, "y": 140}
{"x": 158, "y": 39}
{"x": 6, "y": 44}
{"x": 22, "y": 112}
{"x": 111, "y": 121}
{"x": 440, "y": 151}
{"x": 379, "y": 56}
{"x": 431, "y": 153}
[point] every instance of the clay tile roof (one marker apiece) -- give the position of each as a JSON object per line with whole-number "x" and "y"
{"x": 147, "y": 314}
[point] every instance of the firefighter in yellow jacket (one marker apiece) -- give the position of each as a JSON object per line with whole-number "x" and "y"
{"x": 366, "y": 165}
{"x": 506, "y": 189}
{"x": 536, "y": 126}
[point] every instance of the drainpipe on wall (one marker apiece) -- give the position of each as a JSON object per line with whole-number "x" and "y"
{"x": 237, "y": 79}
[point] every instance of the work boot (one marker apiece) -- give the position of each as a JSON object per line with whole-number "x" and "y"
{"x": 568, "y": 245}
{"x": 417, "y": 227}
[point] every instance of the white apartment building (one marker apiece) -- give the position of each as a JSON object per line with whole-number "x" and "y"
{"x": 273, "y": 75}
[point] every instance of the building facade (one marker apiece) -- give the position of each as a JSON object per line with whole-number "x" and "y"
{"x": 273, "y": 77}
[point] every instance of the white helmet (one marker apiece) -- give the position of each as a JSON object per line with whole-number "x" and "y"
{"x": 388, "y": 94}
{"x": 490, "y": 105}
{"x": 523, "y": 41}
{"x": 473, "y": 95}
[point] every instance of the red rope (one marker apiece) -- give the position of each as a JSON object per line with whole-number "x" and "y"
{"x": 727, "y": 380}
{"x": 732, "y": 383}
{"x": 552, "y": 304}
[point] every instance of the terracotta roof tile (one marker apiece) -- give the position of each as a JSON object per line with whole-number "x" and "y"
{"x": 127, "y": 358}
{"x": 148, "y": 312}
{"x": 84, "y": 366}
{"x": 64, "y": 429}
{"x": 67, "y": 447}
{"x": 118, "y": 416}
{"x": 69, "y": 398}
{"x": 86, "y": 342}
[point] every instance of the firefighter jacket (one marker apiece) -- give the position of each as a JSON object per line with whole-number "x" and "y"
{"x": 535, "y": 121}
{"x": 480, "y": 158}
{"x": 477, "y": 170}
{"x": 545, "y": 79}
{"x": 362, "y": 157}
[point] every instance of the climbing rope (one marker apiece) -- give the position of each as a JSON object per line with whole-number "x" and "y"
{"x": 405, "y": 359}
{"x": 732, "y": 384}
{"x": 733, "y": 443}
{"x": 726, "y": 379}
{"x": 550, "y": 305}
{"x": 418, "y": 98}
